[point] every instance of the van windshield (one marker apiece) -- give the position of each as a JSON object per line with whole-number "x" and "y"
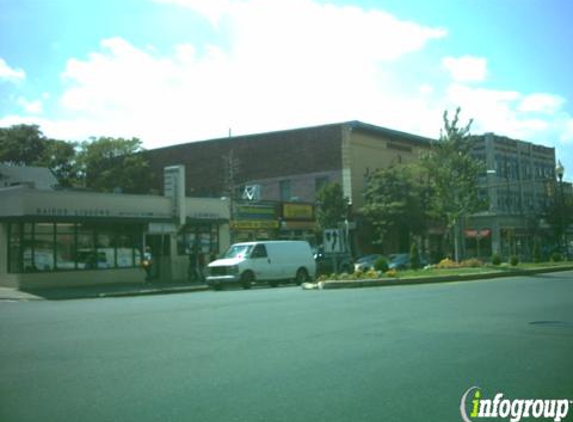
{"x": 238, "y": 251}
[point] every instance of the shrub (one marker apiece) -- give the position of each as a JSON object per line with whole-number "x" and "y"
{"x": 471, "y": 263}
{"x": 514, "y": 260}
{"x": 371, "y": 274}
{"x": 415, "y": 257}
{"x": 556, "y": 257}
{"x": 392, "y": 273}
{"x": 496, "y": 259}
{"x": 381, "y": 265}
{"x": 447, "y": 263}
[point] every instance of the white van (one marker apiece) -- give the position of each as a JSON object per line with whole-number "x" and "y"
{"x": 265, "y": 261}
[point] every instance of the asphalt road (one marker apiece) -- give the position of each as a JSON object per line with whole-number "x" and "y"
{"x": 382, "y": 354}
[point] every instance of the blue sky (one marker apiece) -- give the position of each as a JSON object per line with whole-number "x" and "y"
{"x": 172, "y": 71}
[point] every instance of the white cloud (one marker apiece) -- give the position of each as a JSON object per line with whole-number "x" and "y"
{"x": 541, "y": 103}
{"x": 32, "y": 107}
{"x": 10, "y": 74}
{"x": 288, "y": 63}
{"x": 466, "y": 68}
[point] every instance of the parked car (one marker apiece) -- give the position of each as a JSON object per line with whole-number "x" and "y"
{"x": 366, "y": 263}
{"x": 329, "y": 263}
{"x": 401, "y": 261}
{"x": 271, "y": 262}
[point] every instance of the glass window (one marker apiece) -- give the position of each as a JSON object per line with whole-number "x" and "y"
{"x": 65, "y": 246}
{"x": 68, "y": 246}
{"x": 319, "y": 183}
{"x": 43, "y": 249}
{"x": 125, "y": 244}
{"x": 15, "y": 248}
{"x": 105, "y": 250}
{"x": 259, "y": 252}
{"x": 285, "y": 191}
{"x": 86, "y": 254}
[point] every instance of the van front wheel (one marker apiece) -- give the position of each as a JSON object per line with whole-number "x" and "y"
{"x": 301, "y": 276}
{"x": 247, "y": 279}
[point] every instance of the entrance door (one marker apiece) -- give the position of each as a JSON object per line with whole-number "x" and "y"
{"x": 160, "y": 246}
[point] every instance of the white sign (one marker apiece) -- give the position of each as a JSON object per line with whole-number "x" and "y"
{"x": 334, "y": 241}
{"x": 161, "y": 228}
{"x": 174, "y": 188}
{"x": 252, "y": 193}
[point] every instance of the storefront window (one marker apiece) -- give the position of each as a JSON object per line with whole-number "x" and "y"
{"x": 28, "y": 247}
{"x": 15, "y": 249}
{"x": 65, "y": 246}
{"x": 105, "y": 251}
{"x": 36, "y": 247}
{"x": 86, "y": 254}
{"x": 198, "y": 238}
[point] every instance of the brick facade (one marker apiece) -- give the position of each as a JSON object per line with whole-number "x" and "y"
{"x": 260, "y": 157}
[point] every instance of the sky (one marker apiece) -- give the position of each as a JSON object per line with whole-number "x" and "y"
{"x": 175, "y": 71}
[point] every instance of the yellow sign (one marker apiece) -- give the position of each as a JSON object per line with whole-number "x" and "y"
{"x": 297, "y": 212}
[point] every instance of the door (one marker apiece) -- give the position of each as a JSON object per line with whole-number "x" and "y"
{"x": 160, "y": 246}
{"x": 261, "y": 263}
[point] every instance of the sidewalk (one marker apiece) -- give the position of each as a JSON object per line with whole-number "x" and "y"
{"x": 103, "y": 291}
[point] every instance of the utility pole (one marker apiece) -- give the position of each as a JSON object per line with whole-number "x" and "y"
{"x": 231, "y": 169}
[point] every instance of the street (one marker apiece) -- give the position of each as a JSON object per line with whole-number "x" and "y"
{"x": 381, "y": 354}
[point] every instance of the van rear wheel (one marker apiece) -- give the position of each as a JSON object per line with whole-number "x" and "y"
{"x": 301, "y": 276}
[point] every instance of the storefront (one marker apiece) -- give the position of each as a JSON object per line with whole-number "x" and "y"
{"x": 297, "y": 222}
{"x": 257, "y": 221}
{"x": 70, "y": 238}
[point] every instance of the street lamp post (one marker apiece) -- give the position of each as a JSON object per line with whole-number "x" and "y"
{"x": 560, "y": 171}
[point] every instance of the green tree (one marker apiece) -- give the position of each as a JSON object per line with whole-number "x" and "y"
{"x": 332, "y": 206}
{"x": 453, "y": 175}
{"x": 26, "y": 145}
{"x": 106, "y": 164}
{"x": 395, "y": 203}
{"x": 60, "y": 157}
{"x": 22, "y": 145}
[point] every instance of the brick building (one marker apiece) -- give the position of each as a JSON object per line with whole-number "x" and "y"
{"x": 520, "y": 186}
{"x": 291, "y": 165}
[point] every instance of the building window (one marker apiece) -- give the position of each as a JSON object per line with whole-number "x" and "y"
{"x": 65, "y": 246}
{"x": 285, "y": 190}
{"x": 198, "y": 239}
{"x": 320, "y": 182}
{"x": 38, "y": 247}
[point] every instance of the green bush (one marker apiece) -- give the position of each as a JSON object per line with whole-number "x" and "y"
{"x": 496, "y": 259}
{"x": 514, "y": 260}
{"x": 381, "y": 265}
{"x": 415, "y": 257}
{"x": 556, "y": 257}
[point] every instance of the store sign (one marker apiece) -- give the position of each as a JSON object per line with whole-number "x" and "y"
{"x": 255, "y": 224}
{"x": 161, "y": 228}
{"x": 255, "y": 212}
{"x": 298, "y": 212}
{"x": 174, "y": 188}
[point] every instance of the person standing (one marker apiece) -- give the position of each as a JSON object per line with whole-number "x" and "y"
{"x": 147, "y": 263}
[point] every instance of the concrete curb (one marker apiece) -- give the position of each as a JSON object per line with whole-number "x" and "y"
{"x": 351, "y": 284}
{"x": 13, "y": 295}
{"x": 156, "y": 291}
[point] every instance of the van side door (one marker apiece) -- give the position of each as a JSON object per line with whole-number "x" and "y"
{"x": 261, "y": 263}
